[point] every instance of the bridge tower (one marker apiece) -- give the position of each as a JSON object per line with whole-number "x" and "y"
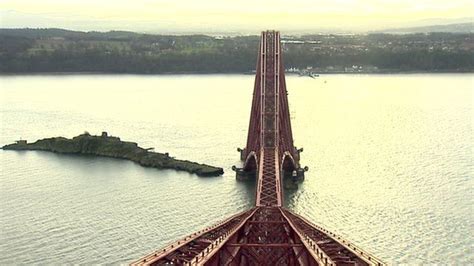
{"x": 267, "y": 234}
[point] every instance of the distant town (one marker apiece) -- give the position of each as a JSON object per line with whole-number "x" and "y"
{"x": 58, "y": 50}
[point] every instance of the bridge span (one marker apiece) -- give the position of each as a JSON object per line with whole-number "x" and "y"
{"x": 267, "y": 234}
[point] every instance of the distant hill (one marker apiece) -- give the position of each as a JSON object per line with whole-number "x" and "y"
{"x": 55, "y": 32}
{"x": 454, "y": 28}
{"x": 58, "y": 50}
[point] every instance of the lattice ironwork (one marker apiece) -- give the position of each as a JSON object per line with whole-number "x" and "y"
{"x": 191, "y": 248}
{"x": 266, "y": 239}
{"x": 267, "y": 234}
{"x": 270, "y": 124}
{"x": 269, "y": 191}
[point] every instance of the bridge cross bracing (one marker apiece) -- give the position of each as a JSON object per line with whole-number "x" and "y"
{"x": 267, "y": 234}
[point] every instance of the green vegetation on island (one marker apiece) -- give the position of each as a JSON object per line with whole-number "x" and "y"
{"x": 109, "y": 146}
{"x": 57, "y": 50}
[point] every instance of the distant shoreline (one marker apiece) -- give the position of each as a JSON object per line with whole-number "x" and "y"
{"x": 381, "y": 72}
{"x": 56, "y": 51}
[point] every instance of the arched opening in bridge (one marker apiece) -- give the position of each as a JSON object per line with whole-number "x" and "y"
{"x": 289, "y": 171}
{"x": 251, "y": 163}
{"x": 288, "y": 163}
{"x": 250, "y": 168}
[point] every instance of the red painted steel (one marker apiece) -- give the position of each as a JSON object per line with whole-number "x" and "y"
{"x": 270, "y": 93}
{"x": 265, "y": 122}
{"x": 262, "y": 236}
{"x": 194, "y": 247}
{"x": 265, "y": 239}
{"x": 269, "y": 190}
{"x": 267, "y": 234}
{"x": 338, "y": 250}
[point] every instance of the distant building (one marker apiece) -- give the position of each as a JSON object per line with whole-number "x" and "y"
{"x": 21, "y": 142}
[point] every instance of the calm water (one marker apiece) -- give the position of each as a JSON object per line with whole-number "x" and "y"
{"x": 390, "y": 158}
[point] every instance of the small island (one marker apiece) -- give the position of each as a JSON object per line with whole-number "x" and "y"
{"x": 109, "y": 146}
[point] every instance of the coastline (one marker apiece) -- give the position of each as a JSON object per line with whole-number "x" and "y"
{"x": 382, "y": 72}
{"x": 113, "y": 147}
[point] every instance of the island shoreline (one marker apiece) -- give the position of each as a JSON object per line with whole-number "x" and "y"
{"x": 112, "y": 147}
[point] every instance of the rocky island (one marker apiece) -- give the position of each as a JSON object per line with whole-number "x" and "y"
{"x": 109, "y": 146}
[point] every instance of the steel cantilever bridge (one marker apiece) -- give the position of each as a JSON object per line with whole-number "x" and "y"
{"x": 267, "y": 234}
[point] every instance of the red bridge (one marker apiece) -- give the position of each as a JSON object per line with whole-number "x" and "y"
{"x": 267, "y": 234}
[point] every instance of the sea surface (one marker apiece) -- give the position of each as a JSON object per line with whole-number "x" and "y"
{"x": 390, "y": 159}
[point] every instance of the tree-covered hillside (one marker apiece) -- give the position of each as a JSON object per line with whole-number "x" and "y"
{"x": 58, "y": 50}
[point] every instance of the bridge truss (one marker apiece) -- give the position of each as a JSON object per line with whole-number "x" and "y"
{"x": 267, "y": 234}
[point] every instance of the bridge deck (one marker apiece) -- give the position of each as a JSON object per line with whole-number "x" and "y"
{"x": 269, "y": 191}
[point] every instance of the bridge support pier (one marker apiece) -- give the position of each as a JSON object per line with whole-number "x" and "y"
{"x": 243, "y": 153}
{"x": 244, "y": 175}
{"x": 291, "y": 179}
